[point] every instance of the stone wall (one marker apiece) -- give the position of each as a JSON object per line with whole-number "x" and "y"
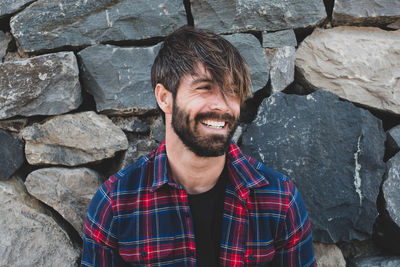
{"x": 76, "y": 105}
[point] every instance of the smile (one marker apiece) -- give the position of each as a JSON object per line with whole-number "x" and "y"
{"x": 214, "y": 124}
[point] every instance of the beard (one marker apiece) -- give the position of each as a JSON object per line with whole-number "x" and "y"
{"x": 211, "y": 145}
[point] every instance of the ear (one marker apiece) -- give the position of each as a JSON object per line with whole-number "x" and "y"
{"x": 164, "y": 98}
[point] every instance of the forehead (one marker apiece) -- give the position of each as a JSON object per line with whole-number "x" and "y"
{"x": 202, "y": 74}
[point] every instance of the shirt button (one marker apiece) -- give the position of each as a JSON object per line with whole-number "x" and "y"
{"x": 250, "y": 258}
{"x": 144, "y": 254}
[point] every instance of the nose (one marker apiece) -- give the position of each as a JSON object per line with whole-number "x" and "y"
{"x": 218, "y": 101}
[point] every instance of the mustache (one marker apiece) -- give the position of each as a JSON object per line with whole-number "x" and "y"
{"x": 216, "y": 116}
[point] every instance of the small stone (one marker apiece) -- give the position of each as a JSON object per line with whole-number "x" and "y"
{"x": 11, "y": 154}
{"x": 279, "y": 39}
{"x": 137, "y": 149}
{"x": 73, "y": 139}
{"x": 328, "y": 255}
{"x": 28, "y": 235}
{"x": 332, "y": 150}
{"x": 250, "y": 48}
{"x": 158, "y": 130}
{"x": 365, "y": 13}
{"x": 5, "y": 39}
{"x": 55, "y": 24}
{"x": 119, "y": 78}
{"x": 395, "y": 25}
{"x": 282, "y": 67}
{"x": 15, "y": 125}
{"x": 42, "y": 85}
{"x": 131, "y": 124}
{"x": 359, "y": 64}
{"x": 393, "y": 140}
{"x": 226, "y": 16}
{"x": 68, "y": 191}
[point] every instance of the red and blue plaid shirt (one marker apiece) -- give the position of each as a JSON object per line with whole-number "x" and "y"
{"x": 141, "y": 217}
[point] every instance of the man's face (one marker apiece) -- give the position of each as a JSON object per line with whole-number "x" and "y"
{"x": 204, "y": 116}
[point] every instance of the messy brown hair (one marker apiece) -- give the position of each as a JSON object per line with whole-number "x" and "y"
{"x": 183, "y": 49}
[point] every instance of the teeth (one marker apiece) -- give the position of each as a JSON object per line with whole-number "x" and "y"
{"x": 214, "y": 124}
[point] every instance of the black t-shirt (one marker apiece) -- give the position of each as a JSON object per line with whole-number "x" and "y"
{"x": 206, "y": 209}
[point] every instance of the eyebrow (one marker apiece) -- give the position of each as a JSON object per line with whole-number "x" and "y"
{"x": 202, "y": 80}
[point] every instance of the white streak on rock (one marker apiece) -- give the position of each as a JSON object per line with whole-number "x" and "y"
{"x": 357, "y": 168}
{"x": 109, "y": 23}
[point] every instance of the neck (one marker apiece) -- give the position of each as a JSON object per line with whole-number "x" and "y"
{"x": 196, "y": 174}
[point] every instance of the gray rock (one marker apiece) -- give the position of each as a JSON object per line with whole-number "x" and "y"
{"x": 395, "y": 25}
{"x": 5, "y": 39}
{"x": 131, "y": 124}
{"x": 68, "y": 191}
{"x": 15, "y": 125}
{"x": 366, "y": 13}
{"x": 279, "y": 39}
{"x": 393, "y": 140}
{"x": 8, "y": 7}
{"x": 328, "y": 255}
{"x": 73, "y": 139}
{"x": 158, "y": 130}
{"x": 226, "y": 16}
{"x": 250, "y": 48}
{"x": 119, "y": 78}
{"x": 137, "y": 149}
{"x": 28, "y": 235}
{"x": 369, "y": 79}
{"x": 282, "y": 67}
{"x": 58, "y": 23}
{"x": 390, "y": 189}
{"x": 42, "y": 85}
{"x": 376, "y": 261}
{"x": 11, "y": 154}
{"x": 332, "y": 150}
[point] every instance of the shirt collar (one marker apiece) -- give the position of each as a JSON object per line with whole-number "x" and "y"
{"x": 242, "y": 170}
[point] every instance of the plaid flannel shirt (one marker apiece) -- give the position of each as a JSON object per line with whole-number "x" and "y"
{"x": 141, "y": 217}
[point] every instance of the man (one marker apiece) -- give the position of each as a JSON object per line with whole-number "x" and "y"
{"x": 197, "y": 200}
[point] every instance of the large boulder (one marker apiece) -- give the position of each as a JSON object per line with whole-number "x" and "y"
{"x": 119, "y": 78}
{"x": 28, "y": 235}
{"x": 68, "y": 191}
{"x": 366, "y": 12}
{"x": 227, "y": 16}
{"x": 73, "y": 139}
{"x": 52, "y": 24}
{"x": 332, "y": 150}
{"x": 11, "y": 154}
{"x": 42, "y": 85}
{"x": 250, "y": 48}
{"x": 279, "y": 39}
{"x": 361, "y": 65}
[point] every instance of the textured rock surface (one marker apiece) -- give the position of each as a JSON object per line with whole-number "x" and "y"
{"x": 119, "y": 78}
{"x": 42, "y": 85}
{"x": 282, "y": 67}
{"x": 366, "y": 12}
{"x": 361, "y": 65}
{"x": 226, "y": 16}
{"x": 328, "y": 255}
{"x": 28, "y": 236}
{"x": 131, "y": 124}
{"x": 5, "y": 40}
{"x": 279, "y": 39}
{"x": 250, "y": 48}
{"x": 57, "y": 23}
{"x": 377, "y": 261}
{"x": 11, "y": 154}
{"x": 14, "y": 125}
{"x": 8, "y": 7}
{"x": 332, "y": 150}
{"x": 393, "y": 140}
{"x": 137, "y": 149}
{"x": 73, "y": 139}
{"x": 158, "y": 130}
{"x": 68, "y": 191}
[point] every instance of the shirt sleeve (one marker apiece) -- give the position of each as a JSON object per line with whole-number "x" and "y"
{"x": 294, "y": 245}
{"x": 99, "y": 238}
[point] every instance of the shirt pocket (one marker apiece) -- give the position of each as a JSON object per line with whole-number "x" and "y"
{"x": 147, "y": 253}
{"x": 259, "y": 254}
